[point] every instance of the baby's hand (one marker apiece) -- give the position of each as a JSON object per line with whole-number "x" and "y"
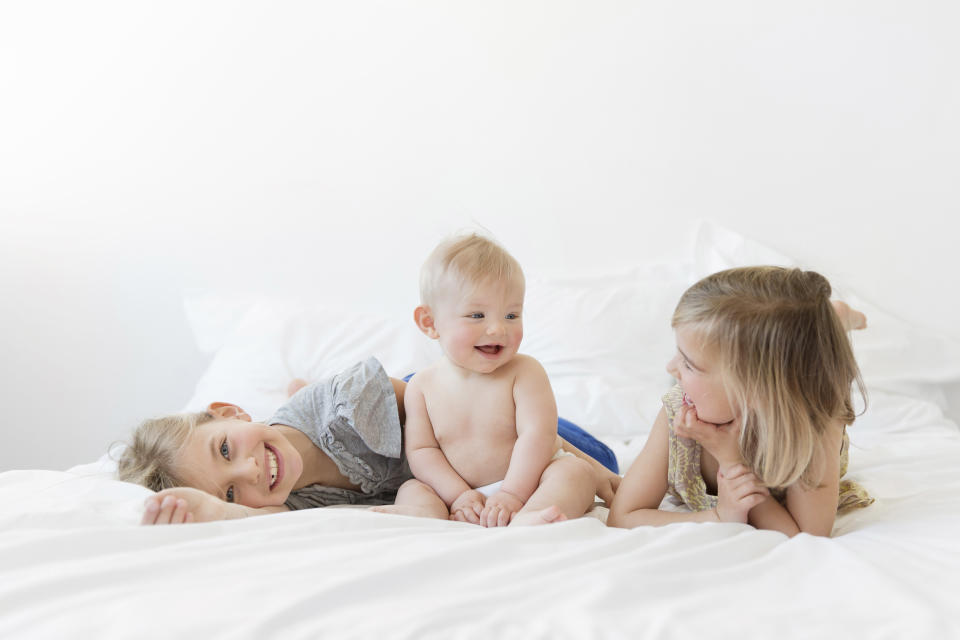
{"x": 500, "y": 509}
{"x": 722, "y": 441}
{"x": 182, "y": 505}
{"x": 468, "y": 506}
{"x": 738, "y": 491}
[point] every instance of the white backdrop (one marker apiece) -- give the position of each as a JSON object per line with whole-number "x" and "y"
{"x": 150, "y": 149}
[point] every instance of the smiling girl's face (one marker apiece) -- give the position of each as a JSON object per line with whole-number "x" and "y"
{"x": 696, "y": 369}
{"x": 241, "y": 461}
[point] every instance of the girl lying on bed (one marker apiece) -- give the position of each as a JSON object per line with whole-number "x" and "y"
{"x": 755, "y": 431}
{"x": 334, "y": 442}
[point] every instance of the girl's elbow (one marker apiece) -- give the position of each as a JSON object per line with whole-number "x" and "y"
{"x": 618, "y": 515}
{"x": 614, "y": 519}
{"x": 823, "y": 530}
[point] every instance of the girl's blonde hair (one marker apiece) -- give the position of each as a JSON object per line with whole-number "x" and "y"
{"x": 150, "y": 458}
{"x": 785, "y": 360}
{"x": 463, "y": 261}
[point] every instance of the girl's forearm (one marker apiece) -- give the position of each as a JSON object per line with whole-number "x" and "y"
{"x": 656, "y": 517}
{"x": 772, "y": 515}
{"x": 241, "y": 511}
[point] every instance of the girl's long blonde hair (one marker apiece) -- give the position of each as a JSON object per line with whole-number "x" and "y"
{"x": 150, "y": 457}
{"x": 785, "y": 360}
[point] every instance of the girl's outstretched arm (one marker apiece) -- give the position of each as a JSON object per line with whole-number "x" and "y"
{"x": 642, "y": 489}
{"x": 181, "y": 505}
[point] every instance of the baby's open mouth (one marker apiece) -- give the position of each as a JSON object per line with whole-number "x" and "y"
{"x": 490, "y": 349}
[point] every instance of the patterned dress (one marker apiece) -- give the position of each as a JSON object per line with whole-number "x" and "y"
{"x": 685, "y": 482}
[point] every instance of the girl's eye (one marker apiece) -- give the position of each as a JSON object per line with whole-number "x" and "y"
{"x": 230, "y": 494}
{"x": 687, "y": 365}
{"x": 225, "y": 450}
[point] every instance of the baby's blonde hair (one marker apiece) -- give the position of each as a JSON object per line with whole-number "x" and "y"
{"x": 150, "y": 458}
{"x": 785, "y": 360}
{"x": 463, "y": 261}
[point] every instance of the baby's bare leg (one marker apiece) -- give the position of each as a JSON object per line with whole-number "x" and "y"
{"x": 567, "y": 488}
{"x": 850, "y": 318}
{"x": 414, "y": 498}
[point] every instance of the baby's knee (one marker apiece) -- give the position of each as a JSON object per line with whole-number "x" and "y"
{"x": 414, "y": 486}
{"x": 573, "y": 469}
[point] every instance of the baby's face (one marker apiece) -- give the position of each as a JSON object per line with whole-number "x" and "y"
{"x": 481, "y": 330}
{"x": 696, "y": 369}
{"x": 239, "y": 461}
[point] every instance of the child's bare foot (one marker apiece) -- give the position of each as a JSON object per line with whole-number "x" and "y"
{"x": 295, "y": 385}
{"x": 850, "y": 318}
{"x": 543, "y": 516}
{"x": 416, "y": 510}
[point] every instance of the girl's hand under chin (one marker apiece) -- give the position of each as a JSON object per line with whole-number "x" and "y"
{"x": 722, "y": 441}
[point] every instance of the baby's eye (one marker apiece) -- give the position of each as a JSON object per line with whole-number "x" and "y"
{"x": 225, "y": 449}
{"x": 230, "y": 494}
{"x": 512, "y": 316}
{"x": 476, "y": 316}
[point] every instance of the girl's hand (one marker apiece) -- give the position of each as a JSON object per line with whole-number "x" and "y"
{"x": 722, "y": 441}
{"x": 184, "y": 504}
{"x": 738, "y": 491}
{"x": 500, "y": 509}
{"x": 468, "y": 506}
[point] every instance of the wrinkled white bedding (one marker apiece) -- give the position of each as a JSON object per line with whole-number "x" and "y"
{"x": 74, "y": 562}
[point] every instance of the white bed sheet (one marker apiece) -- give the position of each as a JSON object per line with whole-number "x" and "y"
{"x": 74, "y": 563}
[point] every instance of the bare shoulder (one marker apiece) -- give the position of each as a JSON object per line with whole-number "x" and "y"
{"x": 422, "y": 378}
{"x": 524, "y": 365}
{"x": 831, "y": 444}
{"x": 833, "y": 437}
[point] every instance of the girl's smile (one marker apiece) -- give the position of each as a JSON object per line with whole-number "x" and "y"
{"x": 240, "y": 461}
{"x": 698, "y": 373}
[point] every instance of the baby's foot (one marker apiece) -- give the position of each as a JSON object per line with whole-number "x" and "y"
{"x": 416, "y": 510}
{"x": 850, "y": 318}
{"x": 543, "y": 516}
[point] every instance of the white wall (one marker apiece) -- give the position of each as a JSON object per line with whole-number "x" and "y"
{"x": 149, "y": 149}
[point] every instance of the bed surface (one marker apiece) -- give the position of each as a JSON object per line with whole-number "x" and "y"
{"x": 74, "y": 562}
{"x": 892, "y": 570}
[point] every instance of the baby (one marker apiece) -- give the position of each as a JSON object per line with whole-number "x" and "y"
{"x": 481, "y": 432}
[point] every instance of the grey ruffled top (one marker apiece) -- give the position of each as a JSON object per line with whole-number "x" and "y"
{"x": 353, "y": 418}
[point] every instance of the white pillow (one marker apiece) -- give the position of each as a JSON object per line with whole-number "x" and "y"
{"x": 604, "y": 340}
{"x": 893, "y": 354}
{"x": 277, "y": 340}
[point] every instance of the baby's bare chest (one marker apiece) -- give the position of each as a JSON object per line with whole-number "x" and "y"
{"x": 478, "y": 413}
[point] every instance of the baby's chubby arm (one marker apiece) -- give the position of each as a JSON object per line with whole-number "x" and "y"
{"x": 537, "y": 440}
{"x": 427, "y": 461}
{"x": 181, "y": 505}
